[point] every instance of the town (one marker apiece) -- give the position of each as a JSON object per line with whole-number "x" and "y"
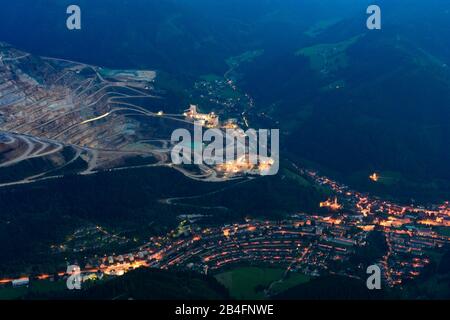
{"x": 310, "y": 244}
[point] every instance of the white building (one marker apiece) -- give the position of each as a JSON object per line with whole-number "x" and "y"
{"x": 21, "y": 282}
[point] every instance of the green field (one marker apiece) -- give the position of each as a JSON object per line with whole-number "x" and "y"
{"x": 292, "y": 280}
{"x": 36, "y": 287}
{"x": 211, "y": 77}
{"x": 249, "y": 282}
{"x": 320, "y": 26}
{"x": 247, "y": 56}
{"x": 328, "y": 56}
{"x": 10, "y": 293}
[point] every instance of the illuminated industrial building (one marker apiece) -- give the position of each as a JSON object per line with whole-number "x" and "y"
{"x": 333, "y": 205}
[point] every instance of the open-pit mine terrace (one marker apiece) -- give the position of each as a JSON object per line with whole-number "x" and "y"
{"x": 59, "y": 116}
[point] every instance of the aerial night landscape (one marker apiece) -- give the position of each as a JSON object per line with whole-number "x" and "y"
{"x": 241, "y": 152}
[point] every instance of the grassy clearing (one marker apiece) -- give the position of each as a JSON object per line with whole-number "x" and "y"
{"x": 249, "y": 282}
{"x": 292, "y": 280}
